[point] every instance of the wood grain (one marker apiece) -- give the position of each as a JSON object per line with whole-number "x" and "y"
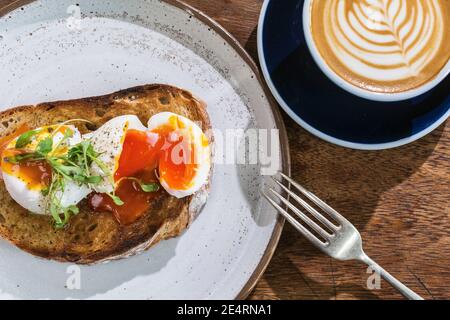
{"x": 398, "y": 199}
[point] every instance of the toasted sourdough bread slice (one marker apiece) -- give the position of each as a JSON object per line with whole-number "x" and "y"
{"x": 98, "y": 237}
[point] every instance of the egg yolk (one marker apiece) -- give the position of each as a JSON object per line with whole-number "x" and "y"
{"x": 7, "y": 139}
{"x": 139, "y": 160}
{"x": 36, "y": 174}
{"x": 136, "y": 201}
{"x": 177, "y": 163}
{"x": 142, "y": 154}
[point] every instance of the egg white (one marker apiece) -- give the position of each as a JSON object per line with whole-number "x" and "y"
{"x": 33, "y": 200}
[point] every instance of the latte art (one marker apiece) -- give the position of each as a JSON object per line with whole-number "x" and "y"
{"x": 396, "y": 37}
{"x": 383, "y": 45}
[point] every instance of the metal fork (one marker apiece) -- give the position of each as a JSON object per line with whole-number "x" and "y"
{"x": 341, "y": 241}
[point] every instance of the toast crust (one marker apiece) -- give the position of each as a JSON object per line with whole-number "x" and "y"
{"x": 98, "y": 237}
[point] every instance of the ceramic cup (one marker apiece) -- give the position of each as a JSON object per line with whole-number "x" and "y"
{"x": 353, "y": 89}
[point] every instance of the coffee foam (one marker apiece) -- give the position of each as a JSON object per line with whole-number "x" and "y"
{"x": 383, "y": 45}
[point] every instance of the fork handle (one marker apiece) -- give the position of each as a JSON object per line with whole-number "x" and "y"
{"x": 404, "y": 290}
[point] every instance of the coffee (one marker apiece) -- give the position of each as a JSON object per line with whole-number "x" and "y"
{"x": 383, "y": 46}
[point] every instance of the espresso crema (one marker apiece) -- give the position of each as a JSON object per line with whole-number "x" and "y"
{"x": 386, "y": 46}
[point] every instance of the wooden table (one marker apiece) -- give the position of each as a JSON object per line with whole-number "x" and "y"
{"x": 399, "y": 200}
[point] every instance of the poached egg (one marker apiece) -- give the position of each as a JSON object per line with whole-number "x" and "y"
{"x": 26, "y": 182}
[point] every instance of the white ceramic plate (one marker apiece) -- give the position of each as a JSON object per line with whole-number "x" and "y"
{"x": 48, "y": 53}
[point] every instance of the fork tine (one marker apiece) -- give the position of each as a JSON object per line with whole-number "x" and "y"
{"x": 311, "y": 237}
{"x": 305, "y": 205}
{"x": 333, "y": 213}
{"x": 302, "y": 216}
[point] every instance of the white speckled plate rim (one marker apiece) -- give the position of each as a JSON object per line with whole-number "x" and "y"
{"x": 193, "y": 52}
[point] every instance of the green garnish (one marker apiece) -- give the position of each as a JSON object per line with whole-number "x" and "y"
{"x": 150, "y": 187}
{"x": 23, "y": 157}
{"x": 54, "y": 203}
{"x": 45, "y": 146}
{"x": 146, "y": 187}
{"x": 25, "y": 139}
{"x": 116, "y": 199}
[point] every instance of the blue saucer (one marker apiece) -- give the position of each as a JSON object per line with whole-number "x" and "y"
{"x": 326, "y": 110}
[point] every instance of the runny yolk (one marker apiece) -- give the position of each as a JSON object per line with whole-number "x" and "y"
{"x": 177, "y": 163}
{"x": 139, "y": 159}
{"x": 4, "y": 141}
{"x": 142, "y": 154}
{"x": 36, "y": 174}
{"x": 140, "y": 151}
{"x": 136, "y": 202}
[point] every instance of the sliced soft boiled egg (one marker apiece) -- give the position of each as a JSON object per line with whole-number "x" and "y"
{"x": 172, "y": 150}
{"x": 26, "y": 182}
{"x": 172, "y": 144}
{"x": 185, "y": 156}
